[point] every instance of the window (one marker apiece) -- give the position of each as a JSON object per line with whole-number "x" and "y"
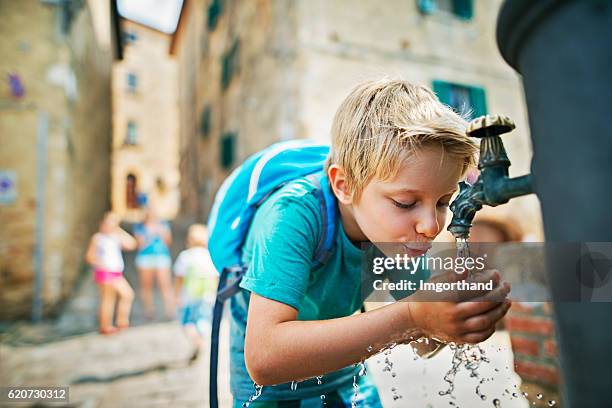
{"x": 131, "y": 198}
{"x": 130, "y": 37}
{"x": 205, "y": 121}
{"x": 131, "y": 137}
{"x": 228, "y": 142}
{"x": 132, "y": 82}
{"x": 230, "y": 64}
{"x": 214, "y": 12}
{"x": 462, "y": 98}
{"x": 461, "y": 8}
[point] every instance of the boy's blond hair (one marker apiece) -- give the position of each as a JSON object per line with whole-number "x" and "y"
{"x": 383, "y": 122}
{"x": 197, "y": 235}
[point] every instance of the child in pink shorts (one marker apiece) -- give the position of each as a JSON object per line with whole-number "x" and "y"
{"x": 104, "y": 255}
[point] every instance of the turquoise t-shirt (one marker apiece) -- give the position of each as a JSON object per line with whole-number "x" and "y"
{"x": 279, "y": 252}
{"x": 154, "y": 243}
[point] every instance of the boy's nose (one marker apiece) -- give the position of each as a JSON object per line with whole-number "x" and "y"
{"x": 427, "y": 224}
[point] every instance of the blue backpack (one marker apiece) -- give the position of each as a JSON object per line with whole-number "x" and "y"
{"x": 234, "y": 207}
{"x": 252, "y": 183}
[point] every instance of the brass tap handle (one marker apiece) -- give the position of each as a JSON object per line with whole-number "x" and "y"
{"x": 490, "y": 125}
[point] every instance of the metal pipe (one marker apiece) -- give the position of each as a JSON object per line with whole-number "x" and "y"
{"x": 39, "y": 233}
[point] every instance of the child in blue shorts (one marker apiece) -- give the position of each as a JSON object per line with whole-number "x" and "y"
{"x": 195, "y": 284}
{"x": 153, "y": 261}
{"x": 397, "y": 155}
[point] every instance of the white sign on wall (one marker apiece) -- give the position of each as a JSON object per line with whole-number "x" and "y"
{"x": 8, "y": 187}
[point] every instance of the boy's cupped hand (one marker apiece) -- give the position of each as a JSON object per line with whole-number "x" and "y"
{"x": 461, "y": 316}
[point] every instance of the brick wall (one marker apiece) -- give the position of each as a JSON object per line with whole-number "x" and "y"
{"x": 532, "y": 333}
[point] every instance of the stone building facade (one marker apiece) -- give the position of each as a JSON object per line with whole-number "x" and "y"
{"x": 55, "y": 127}
{"x": 145, "y": 124}
{"x": 276, "y": 70}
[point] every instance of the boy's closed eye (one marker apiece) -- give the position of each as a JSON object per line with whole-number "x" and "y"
{"x": 443, "y": 202}
{"x": 403, "y": 205}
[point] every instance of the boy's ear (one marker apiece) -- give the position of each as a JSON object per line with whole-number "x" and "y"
{"x": 337, "y": 180}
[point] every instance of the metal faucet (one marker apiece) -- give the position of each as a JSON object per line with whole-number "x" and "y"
{"x": 493, "y": 186}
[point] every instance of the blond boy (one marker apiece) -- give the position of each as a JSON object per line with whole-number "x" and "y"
{"x": 397, "y": 155}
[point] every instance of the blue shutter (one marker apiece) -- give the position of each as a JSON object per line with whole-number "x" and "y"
{"x": 426, "y": 6}
{"x": 479, "y": 101}
{"x": 214, "y": 12}
{"x": 228, "y": 142}
{"x": 230, "y": 64}
{"x": 132, "y": 133}
{"x": 205, "y": 121}
{"x": 132, "y": 82}
{"x": 463, "y": 9}
{"x": 443, "y": 91}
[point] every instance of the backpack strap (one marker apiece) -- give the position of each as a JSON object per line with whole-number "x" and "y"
{"x": 228, "y": 285}
{"x": 329, "y": 215}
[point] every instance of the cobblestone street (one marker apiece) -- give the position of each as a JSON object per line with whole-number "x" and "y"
{"x": 146, "y": 366}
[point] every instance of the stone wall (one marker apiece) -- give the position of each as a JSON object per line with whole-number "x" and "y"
{"x": 66, "y": 78}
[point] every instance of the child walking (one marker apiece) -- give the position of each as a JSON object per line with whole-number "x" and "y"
{"x": 195, "y": 285}
{"x": 104, "y": 255}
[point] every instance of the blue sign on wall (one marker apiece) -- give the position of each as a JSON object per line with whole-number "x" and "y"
{"x": 8, "y": 187}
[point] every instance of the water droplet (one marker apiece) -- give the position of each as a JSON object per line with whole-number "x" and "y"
{"x": 496, "y": 403}
{"x": 362, "y": 369}
{"x": 258, "y": 389}
{"x": 515, "y": 395}
{"x": 525, "y": 394}
{"x": 393, "y": 389}
{"x": 356, "y": 392}
{"x": 552, "y": 403}
{"x": 294, "y": 385}
{"x": 319, "y": 381}
{"x": 483, "y": 397}
{"x": 370, "y": 348}
{"x": 539, "y": 396}
{"x": 497, "y": 370}
{"x": 393, "y": 375}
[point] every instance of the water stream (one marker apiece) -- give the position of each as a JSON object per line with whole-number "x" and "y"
{"x": 470, "y": 356}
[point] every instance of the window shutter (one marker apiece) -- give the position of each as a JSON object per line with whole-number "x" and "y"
{"x": 228, "y": 142}
{"x": 426, "y": 6}
{"x": 479, "y": 101}
{"x": 205, "y": 121}
{"x": 214, "y": 12}
{"x": 463, "y": 9}
{"x": 230, "y": 64}
{"x": 443, "y": 91}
